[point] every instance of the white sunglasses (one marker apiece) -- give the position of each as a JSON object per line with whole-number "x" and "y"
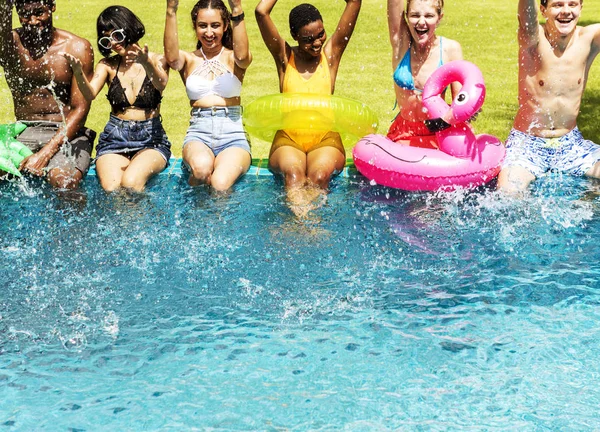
{"x": 117, "y": 36}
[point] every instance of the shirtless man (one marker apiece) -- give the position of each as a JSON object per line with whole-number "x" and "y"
{"x": 45, "y": 94}
{"x": 554, "y": 61}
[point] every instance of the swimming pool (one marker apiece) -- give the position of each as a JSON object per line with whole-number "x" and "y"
{"x": 180, "y": 309}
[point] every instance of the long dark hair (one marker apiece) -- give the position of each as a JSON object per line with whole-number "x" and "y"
{"x": 119, "y": 17}
{"x": 227, "y": 40}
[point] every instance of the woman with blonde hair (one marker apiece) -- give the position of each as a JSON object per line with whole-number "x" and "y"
{"x": 417, "y": 51}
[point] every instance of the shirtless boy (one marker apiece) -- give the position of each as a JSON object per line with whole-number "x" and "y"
{"x": 45, "y": 94}
{"x": 554, "y": 61}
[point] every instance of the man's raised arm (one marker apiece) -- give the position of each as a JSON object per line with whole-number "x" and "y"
{"x": 528, "y": 23}
{"x": 6, "y": 37}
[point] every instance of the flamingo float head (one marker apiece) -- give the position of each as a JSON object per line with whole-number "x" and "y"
{"x": 447, "y": 120}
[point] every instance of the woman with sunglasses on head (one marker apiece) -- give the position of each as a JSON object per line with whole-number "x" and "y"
{"x": 134, "y": 145}
{"x": 307, "y": 160}
{"x": 416, "y": 53}
{"x": 215, "y": 148}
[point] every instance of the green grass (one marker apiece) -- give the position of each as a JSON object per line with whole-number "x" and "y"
{"x": 486, "y": 30}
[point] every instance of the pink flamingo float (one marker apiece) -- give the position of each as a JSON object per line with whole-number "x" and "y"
{"x": 462, "y": 159}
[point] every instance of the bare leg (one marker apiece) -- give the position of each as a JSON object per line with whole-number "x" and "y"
{"x": 110, "y": 169}
{"x": 65, "y": 178}
{"x": 230, "y": 165}
{"x": 594, "y": 172}
{"x": 323, "y": 163}
{"x": 289, "y": 162}
{"x": 144, "y": 165}
{"x": 514, "y": 179}
{"x": 594, "y": 192}
{"x": 201, "y": 160}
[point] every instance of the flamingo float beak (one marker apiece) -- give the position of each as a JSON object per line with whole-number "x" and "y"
{"x": 437, "y": 125}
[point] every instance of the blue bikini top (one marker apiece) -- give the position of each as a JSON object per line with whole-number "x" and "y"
{"x": 403, "y": 73}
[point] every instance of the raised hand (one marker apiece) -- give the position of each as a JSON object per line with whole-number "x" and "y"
{"x": 137, "y": 55}
{"x": 235, "y": 4}
{"x": 74, "y": 62}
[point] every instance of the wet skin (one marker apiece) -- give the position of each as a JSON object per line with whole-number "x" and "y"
{"x": 416, "y": 30}
{"x": 554, "y": 61}
{"x": 307, "y": 174}
{"x": 133, "y": 64}
{"x": 223, "y": 170}
{"x": 40, "y": 79}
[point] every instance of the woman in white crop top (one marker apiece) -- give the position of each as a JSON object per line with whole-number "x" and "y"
{"x": 215, "y": 149}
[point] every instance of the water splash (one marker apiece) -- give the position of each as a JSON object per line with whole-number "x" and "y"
{"x": 125, "y": 301}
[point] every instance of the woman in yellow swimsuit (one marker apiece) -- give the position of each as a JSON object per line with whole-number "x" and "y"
{"x": 307, "y": 158}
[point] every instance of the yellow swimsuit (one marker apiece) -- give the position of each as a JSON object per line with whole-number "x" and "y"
{"x": 318, "y": 83}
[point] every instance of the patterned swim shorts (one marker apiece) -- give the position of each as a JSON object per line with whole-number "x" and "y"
{"x": 570, "y": 153}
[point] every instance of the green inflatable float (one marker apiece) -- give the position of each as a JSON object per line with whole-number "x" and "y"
{"x": 12, "y": 152}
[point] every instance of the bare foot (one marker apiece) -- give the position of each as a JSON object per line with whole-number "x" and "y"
{"x": 193, "y": 181}
{"x": 302, "y": 200}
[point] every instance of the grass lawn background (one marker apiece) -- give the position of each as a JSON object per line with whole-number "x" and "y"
{"x": 486, "y": 30}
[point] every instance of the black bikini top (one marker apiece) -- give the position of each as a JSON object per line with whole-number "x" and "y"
{"x": 147, "y": 99}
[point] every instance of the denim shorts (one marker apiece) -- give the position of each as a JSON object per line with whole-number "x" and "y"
{"x": 219, "y": 128}
{"x": 128, "y": 137}
{"x": 570, "y": 153}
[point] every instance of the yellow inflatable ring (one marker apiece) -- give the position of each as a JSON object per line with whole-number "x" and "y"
{"x": 266, "y": 115}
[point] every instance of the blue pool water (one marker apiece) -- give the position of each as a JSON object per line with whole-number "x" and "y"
{"x": 180, "y": 309}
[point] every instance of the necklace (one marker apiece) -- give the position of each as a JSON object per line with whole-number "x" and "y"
{"x": 132, "y": 79}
